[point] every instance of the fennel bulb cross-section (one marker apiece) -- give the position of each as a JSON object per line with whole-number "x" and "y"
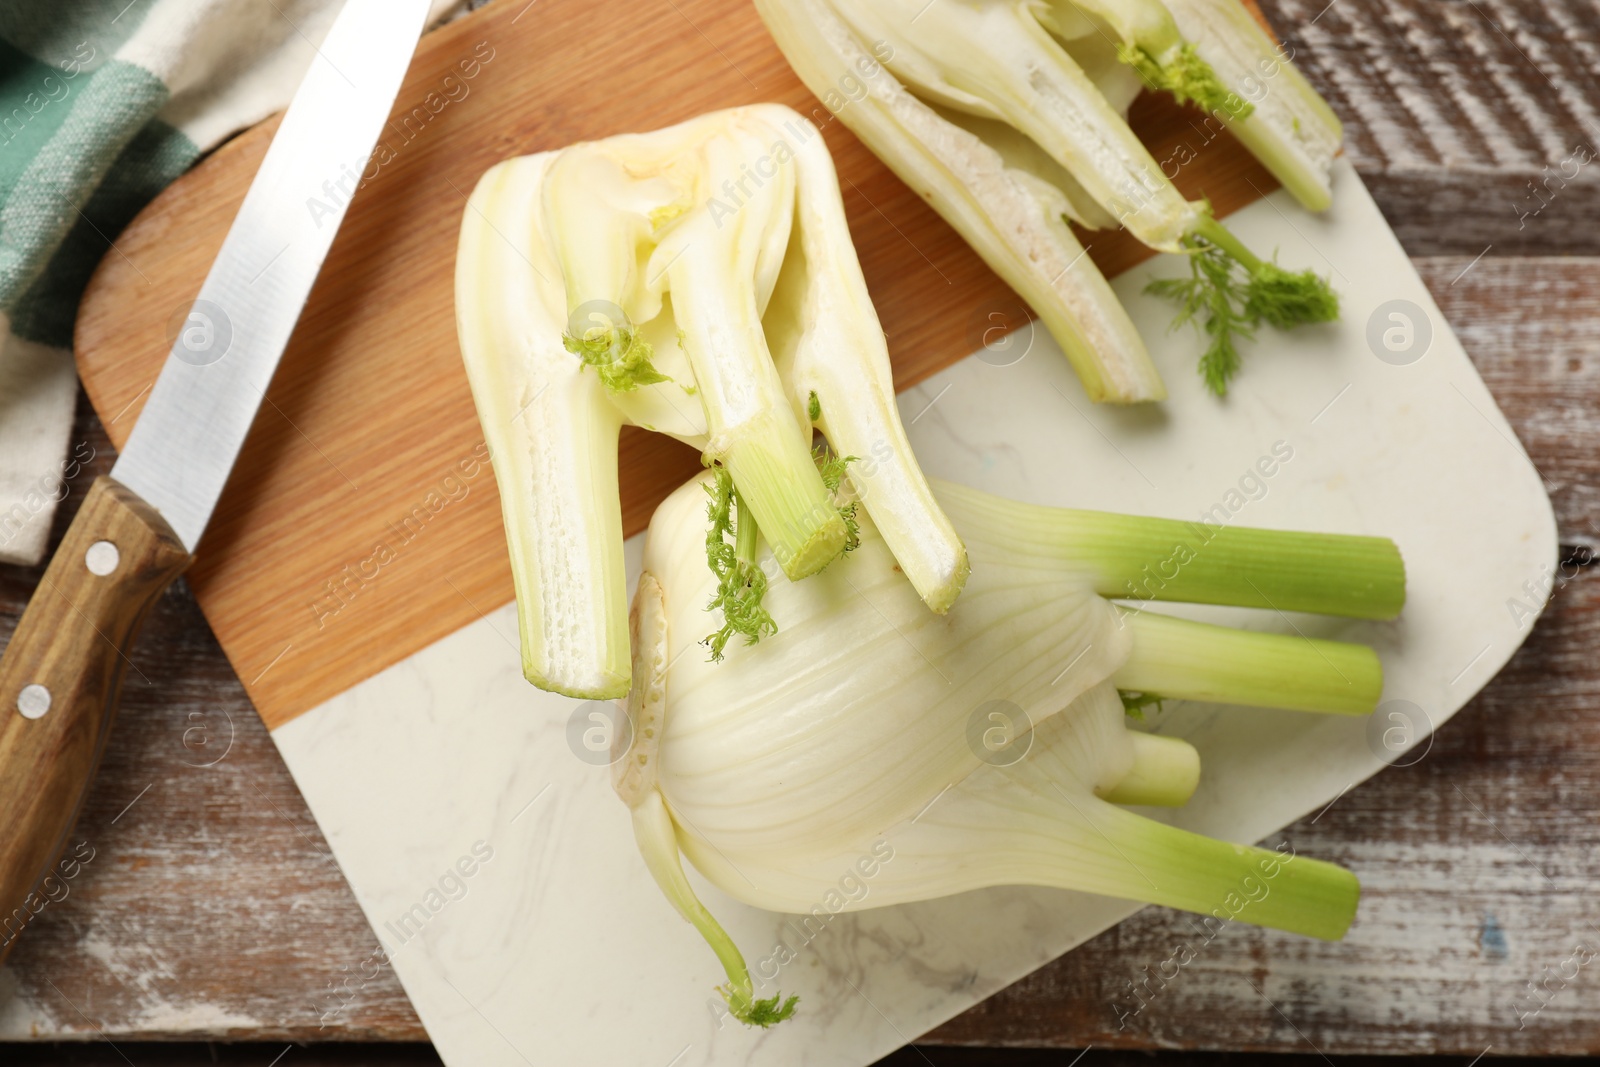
{"x": 698, "y": 281}
{"x": 987, "y": 746}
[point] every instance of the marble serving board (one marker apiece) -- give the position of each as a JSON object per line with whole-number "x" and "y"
{"x": 499, "y": 871}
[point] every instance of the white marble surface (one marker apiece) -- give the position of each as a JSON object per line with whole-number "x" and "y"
{"x": 560, "y": 949}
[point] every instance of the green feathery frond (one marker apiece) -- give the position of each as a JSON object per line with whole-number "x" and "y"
{"x": 1189, "y": 79}
{"x": 1230, "y": 291}
{"x": 740, "y": 581}
{"x": 833, "y": 470}
{"x": 1285, "y": 298}
{"x": 1214, "y": 297}
{"x": 731, "y": 553}
{"x": 618, "y": 354}
{"x": 1133, "y": 704}
{"x": 762, "y": 1013}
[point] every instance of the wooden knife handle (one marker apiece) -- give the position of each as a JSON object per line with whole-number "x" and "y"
{"x": 60, "y": 676}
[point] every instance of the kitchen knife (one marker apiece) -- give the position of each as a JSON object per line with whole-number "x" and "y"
{"x": 139, "y": 525}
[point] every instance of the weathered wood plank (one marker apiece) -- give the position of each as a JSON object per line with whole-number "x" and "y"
{"x": 211, "y": 906}
{"x": 1474, "y": 122}
{"x": 208, "y": 914}
{"x": 1532, "y": 327}
{"x": 101, "y": 1054}
{"x": 1476, "y": 863}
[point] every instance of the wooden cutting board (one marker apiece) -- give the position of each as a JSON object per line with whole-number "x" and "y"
{"x": 362, "y": 522}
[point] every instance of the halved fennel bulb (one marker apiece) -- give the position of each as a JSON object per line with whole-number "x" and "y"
{"x": 960, "y": 98}
{"x": 699, "y": 281}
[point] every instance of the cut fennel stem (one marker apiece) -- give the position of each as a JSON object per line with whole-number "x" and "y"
{"x": 1015, "y": 220}
{"x": 1215, "y": 55}
{"x": 565, "y": 539}
{"x": 619, "y": 282}
{"x": 630, "y": 218}
{"x": 1290, "y": 128}
{"x": 1150, "y": 43}
{"x": 998, "y": 60}
{"x": 861, "y": 728}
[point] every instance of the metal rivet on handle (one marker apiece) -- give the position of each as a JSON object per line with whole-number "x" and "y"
{"x": 102, "y": 558}
{"x": 33, "y": 701}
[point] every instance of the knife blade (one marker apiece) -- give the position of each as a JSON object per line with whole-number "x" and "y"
{"x": 182, "y": 449}
{"x": 139, "y": 526}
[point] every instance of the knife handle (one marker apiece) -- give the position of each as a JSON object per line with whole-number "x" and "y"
{"x": 60, "y": 676}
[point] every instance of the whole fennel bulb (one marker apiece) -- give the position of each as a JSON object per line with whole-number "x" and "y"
{"x": 988, "y": 746}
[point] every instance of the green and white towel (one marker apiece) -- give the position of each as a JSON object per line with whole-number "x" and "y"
{"x": 102, "y": 104}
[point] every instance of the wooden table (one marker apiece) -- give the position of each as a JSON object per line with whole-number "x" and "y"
{"x": 212, "y": 909}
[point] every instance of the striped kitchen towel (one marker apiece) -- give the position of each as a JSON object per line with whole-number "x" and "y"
{"x": 102, "y": 103}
